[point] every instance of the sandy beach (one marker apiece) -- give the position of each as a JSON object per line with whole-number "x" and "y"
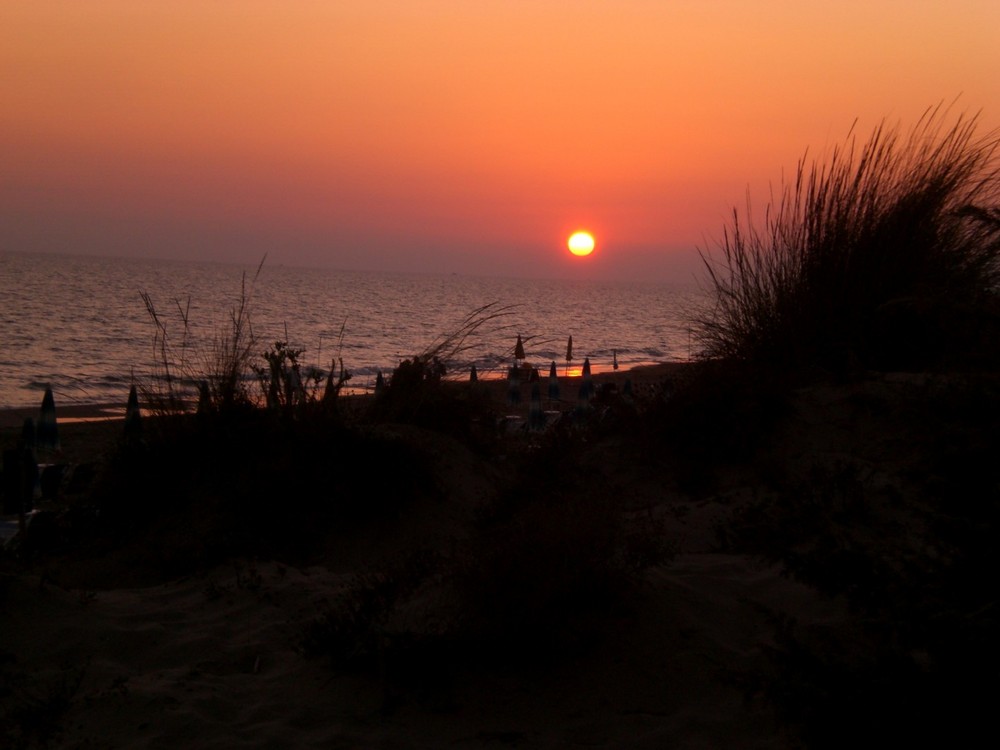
{"x": 104, "y": 647}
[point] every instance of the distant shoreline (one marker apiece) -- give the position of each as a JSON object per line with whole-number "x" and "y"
{"x": 13, "y": 417}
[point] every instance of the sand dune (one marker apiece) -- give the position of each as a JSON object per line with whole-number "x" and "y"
{"x": 218, "y": 657}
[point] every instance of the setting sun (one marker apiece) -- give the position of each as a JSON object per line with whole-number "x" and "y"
{"x": 581, "y": 243}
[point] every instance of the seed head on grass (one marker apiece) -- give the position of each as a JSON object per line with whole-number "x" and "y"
{"x": 225, "y": 368}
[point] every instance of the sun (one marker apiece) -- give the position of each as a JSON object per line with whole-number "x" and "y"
{"x": 581, "y": 243}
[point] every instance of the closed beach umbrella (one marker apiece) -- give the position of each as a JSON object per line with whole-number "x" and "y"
{"x": 133, "y": 417}
{"x": 513, "y": 386}
{"x": 204, "y": 398}
{"x": 47, "y": 436}
{"x": 20, "y": 474}
{"x": 519, "y": 349}
{"x": 553, "y": 383}
{"x": 473, "y": 375}
{"x": 569, "y": 350}
{"x": 587, "y": 389}
{"x": 379, "y": 383}
{"x": 614, "y": 356}
{"x": 28, "y": 433}
{"x": 536, "y": 417}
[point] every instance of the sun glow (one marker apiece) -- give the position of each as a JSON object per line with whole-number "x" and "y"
{"x": 581, "y": 243}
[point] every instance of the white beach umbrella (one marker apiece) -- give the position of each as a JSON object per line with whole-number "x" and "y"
{"x": 513, "y": 386}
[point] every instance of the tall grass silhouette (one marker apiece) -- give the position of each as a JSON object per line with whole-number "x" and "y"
{"x": 885, "y": 255}
{"x": 225, "y": 368}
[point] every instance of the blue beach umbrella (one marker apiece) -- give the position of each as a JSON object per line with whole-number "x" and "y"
{"x": 47, "y": 435}
{"x": 536, "y": 417}
{"x": 28, "y": 433}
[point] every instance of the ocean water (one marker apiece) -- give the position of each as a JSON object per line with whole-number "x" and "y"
{"x": 80, "y": 324}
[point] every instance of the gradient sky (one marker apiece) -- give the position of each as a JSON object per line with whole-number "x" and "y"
{"x": 448, "y": 135}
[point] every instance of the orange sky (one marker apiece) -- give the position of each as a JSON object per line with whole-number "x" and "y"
{"x": 446, "y": 135}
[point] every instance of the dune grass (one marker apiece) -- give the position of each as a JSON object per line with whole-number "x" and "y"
{"x": 883, "y": 256}
{"x": 234, "y": 372}
{"x": 418, "y": 393}
{"x": 223, "y": 370}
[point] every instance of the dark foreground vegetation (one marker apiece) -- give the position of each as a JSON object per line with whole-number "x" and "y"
{"x": 844, "y": 424}
{"x": 886, "y": 258}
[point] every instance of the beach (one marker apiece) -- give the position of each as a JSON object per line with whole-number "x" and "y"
{"x": 85, "y": 437}
{"x": 103, "y": 646}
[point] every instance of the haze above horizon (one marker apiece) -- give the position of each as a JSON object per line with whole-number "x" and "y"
{"x": 447, "y": 136}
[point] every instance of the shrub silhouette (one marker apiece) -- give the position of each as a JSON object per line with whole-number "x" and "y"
{"x": 886, "y": 256}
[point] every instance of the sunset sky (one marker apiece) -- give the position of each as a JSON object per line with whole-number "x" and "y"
{"x": 448, "y": 135}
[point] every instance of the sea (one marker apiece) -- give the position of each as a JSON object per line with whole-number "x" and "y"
{"x": 81, "y": 325}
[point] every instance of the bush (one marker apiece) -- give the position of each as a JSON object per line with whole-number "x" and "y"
{"x": 225, "y": 369}
{"x": 907, "y": 540}
{"x": 884, "y": 257}
{"x": 251, "y": 483}
{"x": 721, "y": 415}
{"x": 544, "y": 576}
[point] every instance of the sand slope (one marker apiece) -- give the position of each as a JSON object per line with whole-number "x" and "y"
{"x": 216, "y": 661}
